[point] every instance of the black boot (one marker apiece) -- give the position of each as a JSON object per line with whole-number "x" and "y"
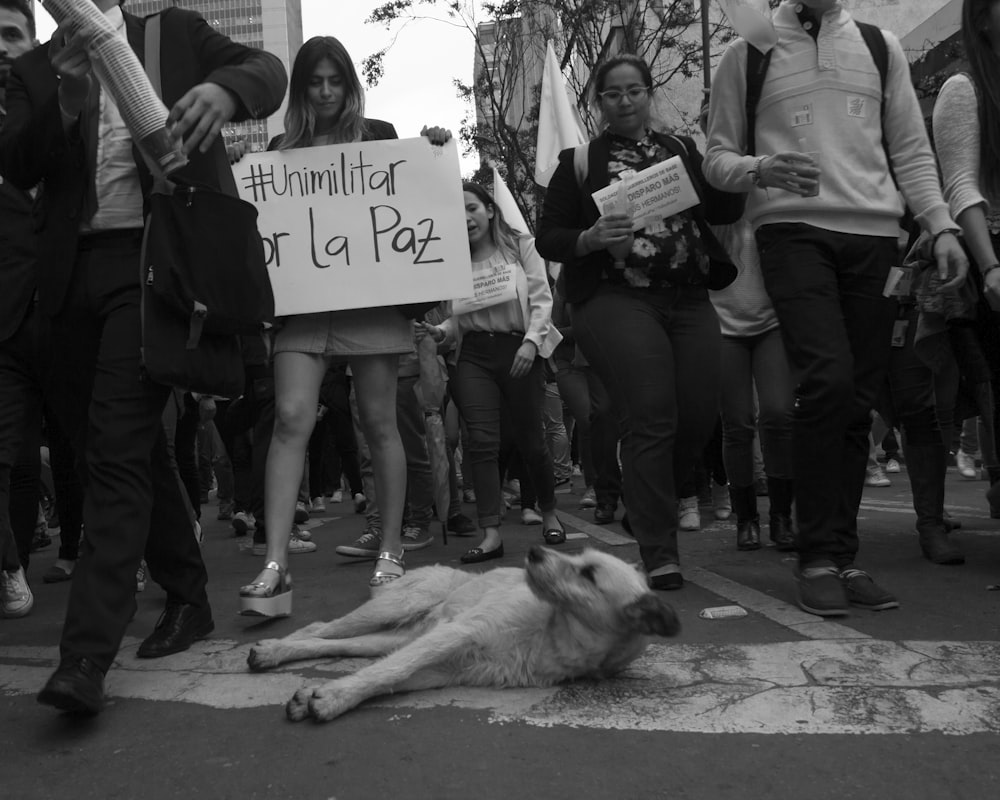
{"x": 926, "y": 467}
{"x": 780, "y": 517}
{"x": 744, "y": 502}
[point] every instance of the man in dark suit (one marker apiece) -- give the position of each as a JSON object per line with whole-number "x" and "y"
{"x": 18, "y": 351}
{"x": 61, "y": 128}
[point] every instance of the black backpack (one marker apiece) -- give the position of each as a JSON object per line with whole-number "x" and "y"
{"x": 757, "y": 64}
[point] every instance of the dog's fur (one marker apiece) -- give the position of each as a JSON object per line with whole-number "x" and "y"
{"x": 562, "y": 617}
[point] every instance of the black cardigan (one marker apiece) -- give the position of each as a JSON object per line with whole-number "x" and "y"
{"x": 569, "y": 209}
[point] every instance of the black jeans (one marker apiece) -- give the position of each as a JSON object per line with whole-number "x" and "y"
{"x": 658, "y": 356}
{"x": 484, "y": 390}
{"x": 20, "y": 436}
{"x": 826, "y": 288}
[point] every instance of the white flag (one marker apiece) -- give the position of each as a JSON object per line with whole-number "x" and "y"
{"x": 558, "y": 126}
{"x": 507, "y": 205}
{"x": 751, "y": 19}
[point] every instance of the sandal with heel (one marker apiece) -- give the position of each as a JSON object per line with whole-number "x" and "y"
{"x": 265, "y": 599}
{"x": 380, "y": 577}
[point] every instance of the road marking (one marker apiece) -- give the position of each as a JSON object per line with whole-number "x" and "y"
{"x": 806, "y": 687}
{"x": 607, "y": 536}
{"x": 778, "y": 611}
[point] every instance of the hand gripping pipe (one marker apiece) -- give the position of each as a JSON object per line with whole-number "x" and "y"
{"x": 120, "y": 73}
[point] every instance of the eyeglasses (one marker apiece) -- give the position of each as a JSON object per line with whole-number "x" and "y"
{"x": 632, "y": 92}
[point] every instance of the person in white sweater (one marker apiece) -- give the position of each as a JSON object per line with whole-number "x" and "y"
{"x": 824, "y": 204}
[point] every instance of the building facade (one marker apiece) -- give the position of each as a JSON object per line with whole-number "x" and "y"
{"x": 271, "y": 25}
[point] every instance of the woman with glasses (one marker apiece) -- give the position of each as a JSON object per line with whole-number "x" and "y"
{"x": 641, "y": 313}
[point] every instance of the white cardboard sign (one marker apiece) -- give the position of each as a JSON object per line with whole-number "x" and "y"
{"x": 360, "y": 225}
{"x": 490, "y": 287}
{"x": 658, "y": 192}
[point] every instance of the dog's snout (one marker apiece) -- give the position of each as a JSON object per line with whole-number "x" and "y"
{"x": 536, "y": 553}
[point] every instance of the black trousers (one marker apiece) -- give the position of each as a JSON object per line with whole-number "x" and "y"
{"x": 20, "y": 436}
{"x": 112, "y": 413}
{"x": 826, "y": 288}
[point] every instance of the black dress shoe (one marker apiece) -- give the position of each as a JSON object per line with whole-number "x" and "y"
{"x": 604, "y": 513}
{"x": 179, "y": 626}
{"x": 782, "y": 532}
{"x": 77, "y": 686}
{"x": 477, "y": 555}
{"x": 667, "y": 582}
{"x": 748, "y": 534}
{"x": 554, "y": 535}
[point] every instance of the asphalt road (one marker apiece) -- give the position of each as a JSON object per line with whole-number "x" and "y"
{"x": 778, "y": 704}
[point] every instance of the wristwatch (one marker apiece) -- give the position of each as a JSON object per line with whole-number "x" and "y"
{"x": 955, "y": 231}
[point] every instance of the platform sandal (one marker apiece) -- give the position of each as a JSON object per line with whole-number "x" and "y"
{"x": 381, "y": 578}
{"x": 262, "y": 599}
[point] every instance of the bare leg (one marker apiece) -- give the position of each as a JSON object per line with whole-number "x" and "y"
{"x": 297, "y": 378}
{"x": 375, "y": 379}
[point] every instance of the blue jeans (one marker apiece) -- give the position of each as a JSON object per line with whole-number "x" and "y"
{"x": 658, "y": 356}
{"x": 760, "y": 361}
{"x": 837, "y": 327}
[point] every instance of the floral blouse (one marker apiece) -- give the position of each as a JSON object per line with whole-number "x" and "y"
{"x": 666, "y": 253}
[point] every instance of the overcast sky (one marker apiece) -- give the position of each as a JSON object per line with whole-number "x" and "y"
{"x": 417, "y": 88}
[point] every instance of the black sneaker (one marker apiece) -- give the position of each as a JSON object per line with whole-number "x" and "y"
{"x": 863, "y": 592}
{"x": 820, "y": 591}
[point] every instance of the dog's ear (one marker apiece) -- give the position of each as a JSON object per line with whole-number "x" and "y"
{"x": 651, "y": 616}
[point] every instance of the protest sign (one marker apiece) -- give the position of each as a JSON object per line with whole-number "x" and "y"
{"x": 360, "y": 225}
{"x": 658, "y": 192}
{"x": 490, "y": 286}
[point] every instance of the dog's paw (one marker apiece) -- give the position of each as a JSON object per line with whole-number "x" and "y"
{"x": 264, "y": 655}
{"x": 297, "y": 709}
{"x": 328, "y": 703}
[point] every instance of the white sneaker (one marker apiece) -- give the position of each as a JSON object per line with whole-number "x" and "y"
{"x": 337, "y": 496}
{"x": 966, "y": 466}
{"x": 296, "y": 544}
{"x": 688, "y": 516}
{"x": 589, "y": 499}
{"x": 720, "y": 501}
{"x": 874, "y": 476}
{"x": 16, "y": 599}
{"x": 318, "y": 505}
{"x": 892, "y": 466}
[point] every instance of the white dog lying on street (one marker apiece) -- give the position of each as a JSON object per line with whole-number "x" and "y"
{"x": 562, "y": 617}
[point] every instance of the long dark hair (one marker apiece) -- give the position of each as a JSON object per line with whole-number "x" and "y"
{"x": 984, "y": 65}
{"x": 503, "y": 235}
{"x": 300, "y": 120}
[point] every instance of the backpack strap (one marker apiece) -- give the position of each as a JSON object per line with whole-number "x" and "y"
{"x": 581, "y": 167}
{"x": 756, "y": 70}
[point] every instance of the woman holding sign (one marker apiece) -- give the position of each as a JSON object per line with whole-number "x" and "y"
{"x": 503, "y": 333}
{"x": 326, "y": 106}
{"x": 637, "y": 272}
